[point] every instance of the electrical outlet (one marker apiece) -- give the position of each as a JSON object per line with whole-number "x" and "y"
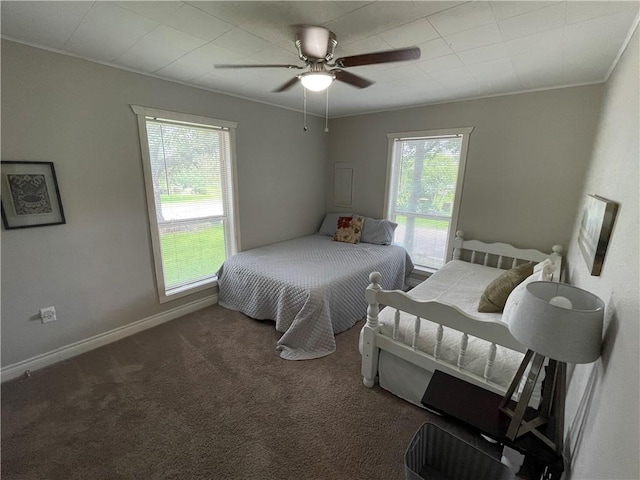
{"x": 48, "y": 314}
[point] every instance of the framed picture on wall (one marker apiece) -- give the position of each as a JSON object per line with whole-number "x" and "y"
{"x": 595, "y": 230}
{"x": 30, "y": 195}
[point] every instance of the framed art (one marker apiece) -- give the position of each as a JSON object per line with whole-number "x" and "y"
{"x": 595, "y": 230}
{"x": 30, "y": 195}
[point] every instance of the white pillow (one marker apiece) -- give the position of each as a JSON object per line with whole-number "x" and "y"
{"x": 330, "y": 223}
{"x": 378, "y": 232}
{"x": 547, "y": 267}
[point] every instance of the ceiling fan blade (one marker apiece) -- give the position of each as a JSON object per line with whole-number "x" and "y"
{"x": 287, "y": 85}
{"x": 256, "y": 65}
{"x": 398, "y": 55}
{"x": 351, "y": 79}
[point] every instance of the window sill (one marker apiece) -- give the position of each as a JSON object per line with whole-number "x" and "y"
{"x": 186, "y": 290}
{"x": 419, "y": 275}
{"x": 424, "y": 271}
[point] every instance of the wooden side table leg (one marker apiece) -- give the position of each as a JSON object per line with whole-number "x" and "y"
{"x": 523, "y": 402}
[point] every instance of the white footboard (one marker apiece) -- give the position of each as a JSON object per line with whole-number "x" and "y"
{"x": 446, "y": 317}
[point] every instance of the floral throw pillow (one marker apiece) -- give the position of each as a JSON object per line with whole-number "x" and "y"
{"x": 349, "y": 229}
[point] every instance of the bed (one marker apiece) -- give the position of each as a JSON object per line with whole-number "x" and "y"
{"x": 437, "y": 325}
{"x": 307, "y": 286}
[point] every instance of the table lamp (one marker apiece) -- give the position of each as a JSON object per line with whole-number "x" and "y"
{"x": 560, "y": 322}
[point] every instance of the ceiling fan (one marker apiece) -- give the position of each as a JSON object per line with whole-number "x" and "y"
{"x": 316, "y": 47}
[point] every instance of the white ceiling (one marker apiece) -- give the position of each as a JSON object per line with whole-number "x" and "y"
{"x": 469, "y": 49}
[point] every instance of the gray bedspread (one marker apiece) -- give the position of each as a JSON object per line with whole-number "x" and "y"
{"x": 312, "y": 287}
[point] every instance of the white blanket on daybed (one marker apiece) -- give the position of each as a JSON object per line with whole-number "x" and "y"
{"x": 461, "y": 284}
{"x": 311, "y": 286}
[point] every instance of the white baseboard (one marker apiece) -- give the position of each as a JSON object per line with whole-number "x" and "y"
{"x": 40, "y": 361}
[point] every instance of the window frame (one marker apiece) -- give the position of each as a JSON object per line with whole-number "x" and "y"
{"x": 391, "y": 177}
{"x": 232, "y": 238}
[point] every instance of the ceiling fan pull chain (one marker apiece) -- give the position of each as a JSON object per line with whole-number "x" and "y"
{"x": 304, "y": 108}
{"x": 326, "y": 113}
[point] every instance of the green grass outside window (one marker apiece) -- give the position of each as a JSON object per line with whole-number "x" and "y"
{"x": 189, "y": 255}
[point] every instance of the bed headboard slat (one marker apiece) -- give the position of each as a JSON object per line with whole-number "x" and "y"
{"x": 503, "y": 251}
{"x": 396, "y": 324}
{"x": 416, "y": 332}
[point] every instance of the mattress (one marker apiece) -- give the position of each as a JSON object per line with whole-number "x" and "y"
{"x": 461, "y": 284}
{"x": 312, "y": 287}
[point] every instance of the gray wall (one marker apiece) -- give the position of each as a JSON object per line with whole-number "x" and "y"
{"x": 603, "y": 397}
{"x": 527, "y": 159}
{"x": 97, "y": 269}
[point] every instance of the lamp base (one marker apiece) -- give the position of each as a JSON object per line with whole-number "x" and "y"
{"x": 551, "y": 410}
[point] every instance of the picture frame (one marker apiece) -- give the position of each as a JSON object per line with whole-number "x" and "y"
{"x": 30, "y": 195}
{"x": 596, "y": 225}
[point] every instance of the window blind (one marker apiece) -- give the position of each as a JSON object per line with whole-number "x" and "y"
{"x": 424, "y": 177}
{"x": 189, "y": 169}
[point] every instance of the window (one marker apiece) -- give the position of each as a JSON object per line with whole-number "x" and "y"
{"x": 189, "y": 177}
{"x": 424, "y": 183}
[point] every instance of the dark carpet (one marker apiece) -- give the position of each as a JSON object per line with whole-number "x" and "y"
{"x": 205, "y": 396}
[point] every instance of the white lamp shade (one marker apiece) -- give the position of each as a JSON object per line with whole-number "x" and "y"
{"x": 316, "y": 81}
{"x": 559, "y": 321}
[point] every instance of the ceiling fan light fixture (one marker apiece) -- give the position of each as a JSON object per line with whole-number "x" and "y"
{"x": 316, "y": 81}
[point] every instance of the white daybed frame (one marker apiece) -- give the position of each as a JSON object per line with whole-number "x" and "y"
{"x": 444, "y": 315}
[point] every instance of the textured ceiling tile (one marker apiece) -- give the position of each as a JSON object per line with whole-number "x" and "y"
{"x": 440, "y": 63}
{"x": 507, "y": 9}
{"x": 496, "y": 72}
{"x": 314, "y": 13}
{"x": 49, "y": 24}
{"x": 235, "y": 13}
{"x": 433, "y": 49}
{"x": 412, "y": 33}
{"x": 241, "y": 41}
{"x": 158, "y": 49}
{"x": 148, "y": 59}
{"x": 530, "y": 66}
{"x": 275, "y": 34}
{"x": 151, "y": 9}
{"x": 274, "y": 54}
{"x": 553, "y": 38}
{"x": 593, "y": 62}
{"x": 463, "y": 17}
{"x": 199, "y": 62}
{"x": 609, "y": 29}
{"x": 105, "y": 15}
{"x": 582, "y": 72}
{"x": 371, "y": 44}
{"x": 164, "y": 37}
{"x": 372, "y": 19}
{"x": 483, "y": 54}
{"x": 215, "y": 54}
{"x": 454, "y": 76}
{"x": 100, "y": 43}
{"x": 474, "y": 38}
{"x": 429, "y": 7}
{"x": 578, "y": 11}
{"x": 534, "y": 22}
{"x": 197, "y": 23}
